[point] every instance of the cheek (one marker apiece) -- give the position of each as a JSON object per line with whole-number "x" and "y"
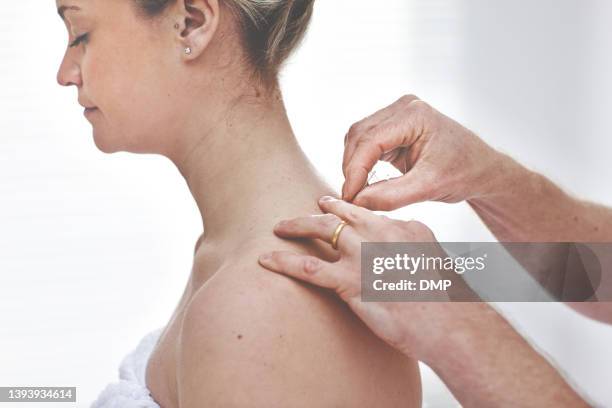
{"x": 132, "y": 88}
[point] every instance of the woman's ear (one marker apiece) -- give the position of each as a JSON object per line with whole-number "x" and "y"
{"x": 198, "y": 23}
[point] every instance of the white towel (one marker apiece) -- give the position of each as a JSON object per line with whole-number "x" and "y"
{"x": 131, "y": 390}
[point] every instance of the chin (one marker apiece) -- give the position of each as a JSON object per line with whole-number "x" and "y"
{"x": 114, "y": 142}
{"x": 106, "y": 144}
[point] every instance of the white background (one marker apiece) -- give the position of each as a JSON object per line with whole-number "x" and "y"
{"x": 95, "y": 249}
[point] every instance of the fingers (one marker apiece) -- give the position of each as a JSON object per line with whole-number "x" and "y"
{"x": 389, "y": 195}
{"x": 323, "y": 226}
{"x": 357, "y": 172}
{"x": 367, "y": 144}
{"x": 370, "y": 123}
{"x": 306, "y": 268}
{"x": 354, "y": 215}
{"x": 315, "y": 226}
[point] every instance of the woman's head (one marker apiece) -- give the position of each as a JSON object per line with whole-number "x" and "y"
{"x": 146, "y": 65}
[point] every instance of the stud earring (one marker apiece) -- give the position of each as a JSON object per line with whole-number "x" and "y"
{"x": 188, "y": 51}
{"x": 176, "y": 26}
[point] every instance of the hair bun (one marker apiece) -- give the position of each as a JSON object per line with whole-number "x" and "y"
{"x": 288, "y": 30}
{"x": 272, "y": 30}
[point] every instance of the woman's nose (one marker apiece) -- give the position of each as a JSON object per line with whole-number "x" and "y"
{"x": 69, "y": 72}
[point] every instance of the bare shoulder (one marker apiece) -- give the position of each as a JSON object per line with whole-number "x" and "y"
{"x": 251, "y": 337}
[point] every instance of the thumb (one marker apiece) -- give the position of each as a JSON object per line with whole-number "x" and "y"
{"x": 388, "y": 195}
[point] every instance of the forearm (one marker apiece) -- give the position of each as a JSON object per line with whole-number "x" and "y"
{"x": 486, "y": 363}
{"x": 523, "y": 206}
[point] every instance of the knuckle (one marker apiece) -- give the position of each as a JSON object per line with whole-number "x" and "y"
{"x": 354, "y": 217}
{"x": 393, "y": 233}
{"x": 287, "y": 222}
{"x": 357, "y": 168}
{"x": 420, "y": 107}
{"x": 415, "y": 225}
{"x": 408, "y": 98}
{"x": 329, "y": 221}
{"x": 376, "y": 133}
{"x": 367, "y": 144}
{"x": 310, "y": 266}
{"x": 288, "y": 225}
{"x": 275, "y": 256}
{"x": 365, "y": 139}
{"x": 416, "y": 229}
{"x": 354, "y": 130}
{"x": 386, "y": 220}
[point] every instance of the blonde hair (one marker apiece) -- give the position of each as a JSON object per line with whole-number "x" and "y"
{"x": 270, "y": 29}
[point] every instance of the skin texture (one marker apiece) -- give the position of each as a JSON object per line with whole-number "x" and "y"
{"x": 473, "y": 349}
{"x": 240, "y": 335}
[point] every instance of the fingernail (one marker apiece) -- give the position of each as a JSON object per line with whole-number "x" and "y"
{"x": 280, "y": 224}
{"x": 344, "y": 191}
{"x": 265, "y": 258}
{"x": 326, "y": 198}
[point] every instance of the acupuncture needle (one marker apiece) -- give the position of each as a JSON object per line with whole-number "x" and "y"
{"x": 370, "y": 177}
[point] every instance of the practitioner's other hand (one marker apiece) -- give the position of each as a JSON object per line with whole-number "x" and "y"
{"x": 416, "y": 328}
{"x": 440, "y": 160}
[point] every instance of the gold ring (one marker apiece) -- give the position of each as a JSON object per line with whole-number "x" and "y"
{"x": 337, "y": 231}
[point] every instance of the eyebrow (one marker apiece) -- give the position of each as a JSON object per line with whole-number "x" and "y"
{"x": 63, "y": 9}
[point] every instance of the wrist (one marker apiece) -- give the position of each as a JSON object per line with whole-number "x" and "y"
{"x": 504, "y": 177}
{"x": 455, "y": 334}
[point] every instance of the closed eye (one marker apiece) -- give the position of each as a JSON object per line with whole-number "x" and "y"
{"x": 79, "y": 40}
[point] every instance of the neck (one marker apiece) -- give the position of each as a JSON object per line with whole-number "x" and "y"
{"x": 247, "y": 171}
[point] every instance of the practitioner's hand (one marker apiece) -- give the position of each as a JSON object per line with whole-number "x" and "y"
{"x": 440, "y": 160}
{"x": 414, "y": 328}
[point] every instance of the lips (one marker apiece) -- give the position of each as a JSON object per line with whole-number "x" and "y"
{"x": 86, "y": 104}
{"x": 89, "y": 111}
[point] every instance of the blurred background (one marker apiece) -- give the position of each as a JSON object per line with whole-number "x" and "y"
{"x": 95, "y": 249}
